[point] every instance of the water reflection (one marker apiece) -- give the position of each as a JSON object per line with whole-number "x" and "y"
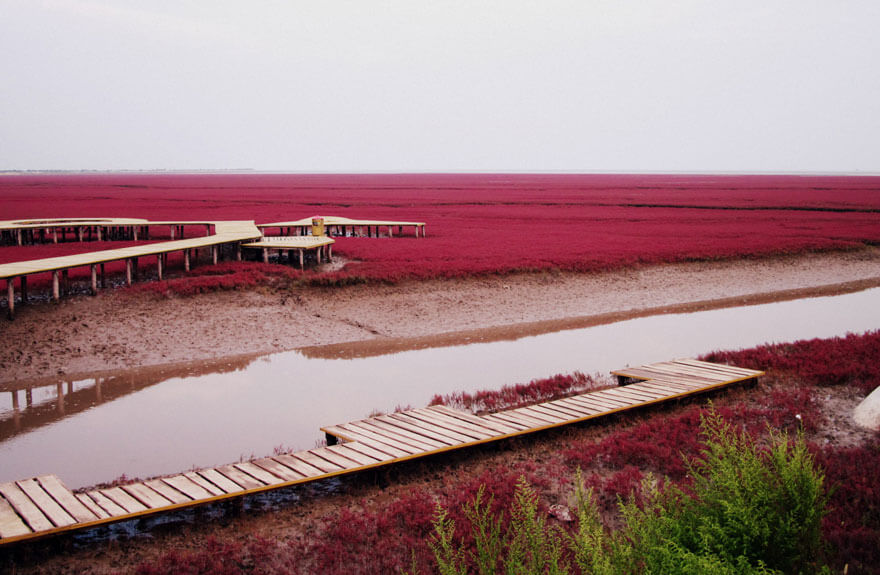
{"x": 159, "y": 421}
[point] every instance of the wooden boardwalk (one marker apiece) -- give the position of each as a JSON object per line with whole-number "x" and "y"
{"x": 225, "y": 232}
{"x": 41, "y": 506}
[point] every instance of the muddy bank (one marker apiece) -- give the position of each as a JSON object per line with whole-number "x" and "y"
{"x": 117, "y": 329}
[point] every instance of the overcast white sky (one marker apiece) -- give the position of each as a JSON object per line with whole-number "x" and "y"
{"x": 324, "y": 85}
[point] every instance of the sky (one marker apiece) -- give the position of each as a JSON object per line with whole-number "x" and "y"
{"x": 441, "y": 86}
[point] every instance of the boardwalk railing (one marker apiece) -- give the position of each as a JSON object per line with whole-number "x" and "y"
{"x": 41, "y": 506}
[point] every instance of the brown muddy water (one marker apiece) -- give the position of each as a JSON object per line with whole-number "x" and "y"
{"x": 157, "y": 421}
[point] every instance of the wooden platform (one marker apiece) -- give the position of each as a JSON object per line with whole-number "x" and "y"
{"x": 42, "y": 506}
{"x": 321, "y": 245}
{"x": 339, "y": 225}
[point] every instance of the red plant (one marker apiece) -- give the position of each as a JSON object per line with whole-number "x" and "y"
{"x": 520, "y": 394}
{"x": 485, "y": 224}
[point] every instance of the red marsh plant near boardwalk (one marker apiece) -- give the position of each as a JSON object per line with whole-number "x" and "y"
{"x": 488, "y": 224}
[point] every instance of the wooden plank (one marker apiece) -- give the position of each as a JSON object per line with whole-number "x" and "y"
{"x": 560, "y": 409}
{"x": 432, "y": 432}
{"x": 258, "y": 473}
{"x": 721, "y": 367}
{"x": 513, "y": 417}
{"x": 335, "y": 458}
{"x": 221, "y": 481}
{"x": 696, "y": 374}
{"x": 538, "y": 414}
{"x": 368, "y": 451}
{"x": 364, "y": 434}
{"x": 455, "y": 423}
{"x": 167, "y": 491}
{"x": 202, "y": 482}
{"x": 50, "y": 508}
{"x": 22, "y": 504}
{"x": 446, "y": 424}
{"x": 494, "y": 428}
{"x": 397, "y": 434}
{"x": 11, "y": 524}
{"x": 107, "y": 504}
{"x": 579, "y": 406}
{"x": 443, "y": 431}
{"x": 375, "y": 444}
{"x": 611, "y": 399}
{"x": 315, "y": 461}
{"x": 298, "y": 465}
{"x": 124, "y": 500}
{"x": 240, "y": 477}
{"x": 282, "y": 471}
{"x": 53, "y": 486}
{"x": 668, "y": 389}
{"x": 632, "y": 396}
{"x": 145, "y": 495}
{"x": 345, "y": 451}
{"x": 188, "y": 487}
{"x": 92, "y": 506}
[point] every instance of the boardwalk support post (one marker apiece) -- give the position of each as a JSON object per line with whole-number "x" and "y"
{"x": 10, "y": 295}
{"x": 94, "y": 270}
{"x": 56, "y": 288}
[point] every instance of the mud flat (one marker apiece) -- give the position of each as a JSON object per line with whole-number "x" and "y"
{"x": 119, "y": 329}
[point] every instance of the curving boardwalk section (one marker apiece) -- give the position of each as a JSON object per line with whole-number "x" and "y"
{"x": 41, "y": 506}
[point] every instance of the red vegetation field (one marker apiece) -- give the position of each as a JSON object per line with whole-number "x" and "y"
{"x": 387, "y": 535}
{"x": 484, "y": 223}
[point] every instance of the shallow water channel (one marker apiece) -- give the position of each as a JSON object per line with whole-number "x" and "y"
{"x": 148, "y": 422}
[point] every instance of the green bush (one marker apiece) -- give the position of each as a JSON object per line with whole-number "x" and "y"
{"x": 750, "y": 509}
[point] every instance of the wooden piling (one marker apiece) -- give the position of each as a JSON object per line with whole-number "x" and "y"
{"x": 128, "y": 271}
{"x": 215, "y": 253}
{"x": 94, "y": 270}
{"x": 56, "y": 288}
{"x": 10, "y": 298}
{"x": 265, "y": 255}
{"x": 186, "y": 260}
{"x": 159, "y": 266}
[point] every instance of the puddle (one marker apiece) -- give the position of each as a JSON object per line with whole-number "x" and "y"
{"x": 161, "y": 420}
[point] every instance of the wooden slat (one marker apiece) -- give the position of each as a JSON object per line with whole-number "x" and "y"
{"x": 609, "y": 399}
{"x": 396, "y": 434}
{"x": 221, "y": 481}
{"x": 22, "y": 504}
{"x": 721, "y": 367}
{"x": 258, "y": 473}
{"x": 73, "y": 506}
{"x": 510, "y": 416}
{"x": 365, "y": 439}
{"x": 443, "y": 431}
{"x": 411, "y": 431}
{"x": 494, "y": 428}
{"x": 477, "y": 431}
{"x": 11, "y": 524}
{"x": 240, "y": 477}
{"x": 145, "y": 495}
{"x": 368, "y": 451}
{"x": 580, "y": 406}
{"x": 282, "y": 471}
{"x": 124, "y": 500}
{"x": 204, "y": 483}
{"x": 188, "y": 487}
{"x": 592, "y": 400}
{"x": 366, "y": 435}
{"x": 50, "y": 508}
{"x": 432, "y": 432}
{"x": 695, "y": 374}
{"x": 108, "y": 505}
{"x": 447, "y": 426}
{"x": 335, "y": 458}
{"x": 345, "y": 451}
{"x": 539, "y": 415}
{"x": 561, "y": 410}
{"x": 92, "y": 506}
{"x": 167, "y": 491}
{"x": 319, "y": 462}
{"x": 298, "y": 465}
{"x": 634, "y": 395}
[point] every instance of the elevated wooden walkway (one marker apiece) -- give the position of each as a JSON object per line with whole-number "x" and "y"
{"x": 321, "y": 245}
{"x": 42, "y": 506}
{"x": 225, "y": 232}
